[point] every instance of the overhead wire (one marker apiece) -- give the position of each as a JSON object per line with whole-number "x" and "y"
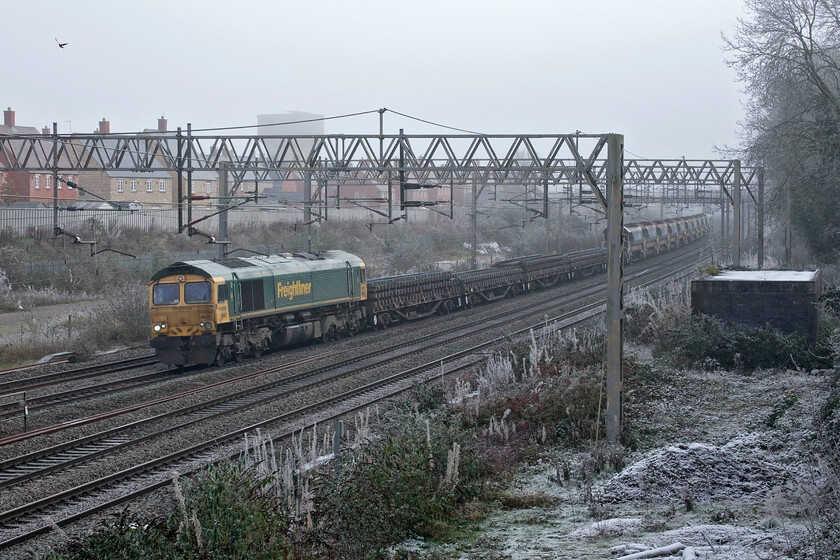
{"x": 434, "y": 123}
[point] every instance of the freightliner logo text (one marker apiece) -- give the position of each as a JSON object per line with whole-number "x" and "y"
{"x": 292, "y": 289}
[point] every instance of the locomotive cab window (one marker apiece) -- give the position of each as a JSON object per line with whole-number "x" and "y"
{"x": 197, "y": 292}
{"x": 223, "y": 293}
{"x": 166, "y": 294}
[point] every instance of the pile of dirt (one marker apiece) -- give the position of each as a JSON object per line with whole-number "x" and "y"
{"x": 695, "y": 471}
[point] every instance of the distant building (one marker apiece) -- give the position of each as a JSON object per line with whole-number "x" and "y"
{"x": 158, "y": 187}
{"x": 30, "y": 186}
{"x": 291, "y": 123}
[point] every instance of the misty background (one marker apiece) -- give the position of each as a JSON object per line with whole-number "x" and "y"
{"x": 652, "y": 70}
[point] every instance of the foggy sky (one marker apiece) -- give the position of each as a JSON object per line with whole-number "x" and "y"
{"x": 652, "y": 70}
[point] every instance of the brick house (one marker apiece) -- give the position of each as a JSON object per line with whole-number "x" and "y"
{"x": 30, "y": 186}
{"x": 158, "y": 187}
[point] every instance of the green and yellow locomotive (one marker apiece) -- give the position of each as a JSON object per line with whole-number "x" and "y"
{"x": 205, "y": 312}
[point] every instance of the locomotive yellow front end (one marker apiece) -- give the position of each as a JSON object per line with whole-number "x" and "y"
{"x": 185, "y": 316}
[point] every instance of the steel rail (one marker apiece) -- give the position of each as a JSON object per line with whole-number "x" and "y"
{"x": 76, "y": 374}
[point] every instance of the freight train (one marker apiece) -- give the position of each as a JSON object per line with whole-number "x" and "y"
{"x": 205, "y": 312}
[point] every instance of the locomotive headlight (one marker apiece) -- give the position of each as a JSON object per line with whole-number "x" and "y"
{"x": 208, "y": 325}
{"x": 157, "y": 328}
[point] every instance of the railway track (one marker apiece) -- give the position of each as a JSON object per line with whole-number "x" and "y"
{"x": 26, "y": 403}
{"x": 76, "y": 374}
{"x": 481, "y": 324}
{"x": 60, "y": 457}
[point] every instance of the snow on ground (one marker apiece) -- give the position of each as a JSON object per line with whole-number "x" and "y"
{"x": 765, "y": 276}
{"x": 695, "y": 471}
{"x": 725, "y": 471}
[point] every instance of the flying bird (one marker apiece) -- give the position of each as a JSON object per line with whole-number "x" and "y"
{"x": 61, "y": 45}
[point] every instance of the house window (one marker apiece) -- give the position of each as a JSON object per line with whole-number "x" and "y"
{"x": 47, "y": 177}
{"x": 134, "y": 185}
{"x": 149, "y": 185}
{"x": 192, "y": 188}
{"x": 120, "y": 185}
{"x": 70, "y": 180}
{"x": 162, "y": 185}
{"x": 58, "y": 183}
{"x": 208, "y": 188}
{"x": 37, "y": 181}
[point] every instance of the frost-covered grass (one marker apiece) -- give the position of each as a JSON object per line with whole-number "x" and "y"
{"x": 120, "y": 318}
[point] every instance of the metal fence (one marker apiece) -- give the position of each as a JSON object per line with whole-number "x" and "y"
{"x": 28, "y": 222}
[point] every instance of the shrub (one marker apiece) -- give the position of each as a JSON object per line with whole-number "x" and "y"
{"x": 227, "y": 514}
{"x": 828, "y": 440}
{"x": 128, "y": 538}
{"x": 710, "y": 270}
{"x": 224, "y": 513}
{"x": 831, "y": 298}
{"x": 408, "y": 482}
{"x": 121, "y": 319}
{"x": 703, "y": 339}
{"x": 651, "y": 313}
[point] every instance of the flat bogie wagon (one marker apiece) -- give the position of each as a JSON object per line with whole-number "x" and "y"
{"x": 490, "y": 284}
{"x": 588, "y": 261}
{"x": 411, "y": 296}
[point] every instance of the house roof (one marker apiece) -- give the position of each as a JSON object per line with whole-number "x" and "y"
{"x": 18, "y": 130}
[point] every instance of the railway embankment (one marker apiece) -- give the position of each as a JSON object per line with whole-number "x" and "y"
{"x": 510, "y": 462}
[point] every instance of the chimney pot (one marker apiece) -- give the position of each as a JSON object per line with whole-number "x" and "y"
{"x": 104, "y": 126}
{"x": 9, "y": 117}
{"x": 45, "y": 131}
{"x": 162, "y": 124}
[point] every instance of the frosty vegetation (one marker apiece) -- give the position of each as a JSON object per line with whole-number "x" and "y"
{"x": 434, "y": 469}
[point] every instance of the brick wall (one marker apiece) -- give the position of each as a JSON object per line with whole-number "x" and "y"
{"x": 789, "y": 306}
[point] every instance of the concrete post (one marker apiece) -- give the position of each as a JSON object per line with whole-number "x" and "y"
{"x": 724, "y": 204}
{"x": 736, "y": 213}
{"x": 307, "y": 209}
{"x": 55, "y": 178}
{"x": 615, "y": 279}
{"x": 189, "y": 173}
{"x": 728, "y": 234}
{"x": 760, "y": 224}
{"x": 474, "y": 225}
{"x": 788, "y": 236}
{"x": 221, "y": 204}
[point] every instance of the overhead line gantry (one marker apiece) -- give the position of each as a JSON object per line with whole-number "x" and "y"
{"x": 416, "y": 161}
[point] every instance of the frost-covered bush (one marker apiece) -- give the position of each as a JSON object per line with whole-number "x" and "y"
{"x": 406, "y": 482}
{"x": 651, "y": 313}
{"x": 704, "y": 338}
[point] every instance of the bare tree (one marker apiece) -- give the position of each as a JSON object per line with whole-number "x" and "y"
{"x": 786, "y": 53}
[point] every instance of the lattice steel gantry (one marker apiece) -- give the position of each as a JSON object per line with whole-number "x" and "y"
{"x": 541, "y": 160}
